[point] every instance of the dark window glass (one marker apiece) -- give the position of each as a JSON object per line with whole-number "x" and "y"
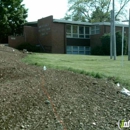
{"x": 86, "y": 30}
{"x": 81, "y": 30}
{"x": 75, "y": 29}
{"x": 68, "y": 28}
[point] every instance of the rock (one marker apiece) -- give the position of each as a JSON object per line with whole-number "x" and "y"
{"x": 47, "y": 102}
{"x": 81, "y": 125}
{"x": 22, "y": 126}
{"x": 25, "y": 51}
{"x": 94, "y": 123}
{"x": 95, "y": 82}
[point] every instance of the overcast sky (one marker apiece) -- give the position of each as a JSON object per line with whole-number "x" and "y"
{"x": 42, "y": 8}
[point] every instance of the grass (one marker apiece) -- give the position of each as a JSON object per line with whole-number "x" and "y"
{"x": 96, "y": 66}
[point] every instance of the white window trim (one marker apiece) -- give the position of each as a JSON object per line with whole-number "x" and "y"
{"x": 71, "y": 34}
{"x": 95, "y": 30}
{"x": 88, "y": 51}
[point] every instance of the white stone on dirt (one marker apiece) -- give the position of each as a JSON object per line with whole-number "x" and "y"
{"x": 44, "y": 68}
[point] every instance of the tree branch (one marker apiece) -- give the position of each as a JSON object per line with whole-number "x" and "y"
{"x": 126, "y": 2}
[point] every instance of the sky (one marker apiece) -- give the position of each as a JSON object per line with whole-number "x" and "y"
{"x": 42, "y": 8}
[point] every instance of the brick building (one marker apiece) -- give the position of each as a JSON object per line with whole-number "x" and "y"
{"x": 62, "y": 36}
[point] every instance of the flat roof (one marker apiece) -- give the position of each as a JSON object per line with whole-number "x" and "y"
{"x": 34, "y": 22}
{"x": 71, "y": 22}
{"x": 117, "y": 23}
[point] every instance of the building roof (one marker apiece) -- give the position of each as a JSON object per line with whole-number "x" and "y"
{"x": 117, "y": 23}
{"x": 71, "y": 22}
{"x": 34, "y": 22}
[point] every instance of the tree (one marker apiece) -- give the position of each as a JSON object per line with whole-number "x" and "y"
{"x": 12, "y": 16}
{"x": 95, "y": 10}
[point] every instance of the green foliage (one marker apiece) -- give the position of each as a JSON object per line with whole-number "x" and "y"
{"x": 99, "y": 16}
{"x": 97, "y": 66}
{"x": 94, "y": 10}
{"x": 106, "y": 44}
{"x": 92, "y": 74}
{"x": 104, "y": 49}
{"x": 12, "y": 16}
{"x": 97, "y": 50}
{"x": 29, "y": 47}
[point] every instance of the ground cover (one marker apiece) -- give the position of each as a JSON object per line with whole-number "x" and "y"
{"x": 33, "y": 99}
{"x": 92, "y": 65}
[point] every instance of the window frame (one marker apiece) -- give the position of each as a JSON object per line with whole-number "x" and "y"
{"x": 80, "y": 36}
{"x": 95, "y": 29}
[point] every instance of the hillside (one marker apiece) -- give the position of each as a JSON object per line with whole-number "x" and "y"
{"x": 33, "y": 99}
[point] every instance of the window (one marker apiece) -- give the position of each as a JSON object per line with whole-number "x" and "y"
{"x": 95, "y": 29}
{"x": 68, "y": 30}
{"x": 83, "y": 50}
{"x": 75, "y": 31}
{"x": 86, "y": 30}
{"x": 87, "y": 36}
{"x": 81, "y": 30}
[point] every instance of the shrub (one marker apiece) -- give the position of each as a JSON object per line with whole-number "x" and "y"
{"x": 105, "y": 40}
{"x": 29, "y": 47}
{"x": 97, "y": 50}
{"x": 104, "y": 49}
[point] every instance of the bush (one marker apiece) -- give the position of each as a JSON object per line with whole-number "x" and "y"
{"x": 104, "y": 49}
{"x": 29, "y": 47}
{"x": 105, "y": 40}
{"x": 97, "y": 50}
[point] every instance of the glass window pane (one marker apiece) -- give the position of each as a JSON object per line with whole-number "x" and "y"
{"x": 81, "y": 30}
{"x": 97, "y": 27}
{"x": 81, "y": 36}
{"x": 69, "y": 52}
{"x": 86, "y": 30}
{"x": 87, "y": 52}
{"x": 87, "y": 36}
{"x": 68, "y": 35}
{"x": 87, "y": 48}
{"x": 75, "y": 35}
{"x": 68, "y": 28}
{"x": 75, "y": 48}
{"x": 97, "y": 31}
{"x": 81, "y": 48}
{"x": 75, "y": 52}
{"x": 69, "y": 48}
{"x": 93, "y": 28}
{"x": 92, "y": 31}
{"x": 81, "y": 52}
{"x": 75, "y": 29}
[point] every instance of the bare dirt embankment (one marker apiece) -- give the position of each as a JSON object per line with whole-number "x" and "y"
{"x": 33, "y": 99}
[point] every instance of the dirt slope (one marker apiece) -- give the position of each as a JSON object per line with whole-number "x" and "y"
{"x": 33, "y": 99}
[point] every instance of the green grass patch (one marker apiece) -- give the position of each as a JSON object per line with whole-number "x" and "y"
{"x": 96, "y": 66}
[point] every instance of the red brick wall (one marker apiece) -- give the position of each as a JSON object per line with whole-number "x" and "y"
{"x": 58, "y": 38}
{"x": 31, "y": 34}
{"x": 15, "y": 41}
{"x": 45, "y": 31}
{"x": 51, "y": 35}
{"x": 96, "y": 39}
